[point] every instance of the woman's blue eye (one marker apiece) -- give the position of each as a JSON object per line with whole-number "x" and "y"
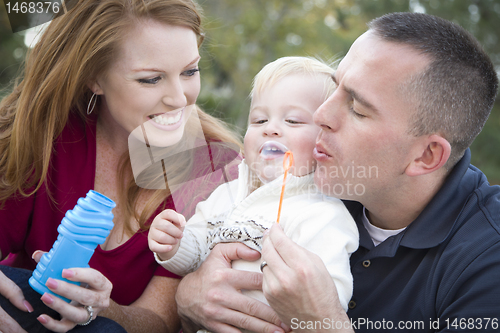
{"x": 191, "y": 72}
{"x": 154, "y": 80}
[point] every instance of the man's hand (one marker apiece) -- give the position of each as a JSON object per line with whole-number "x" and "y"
{"x": 297, "y": 284}
{"x": 211, "y": 298}
{"x": 165, "y": 233}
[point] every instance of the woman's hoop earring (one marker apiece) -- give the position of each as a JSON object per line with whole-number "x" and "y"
{"x": 90, "y": 109}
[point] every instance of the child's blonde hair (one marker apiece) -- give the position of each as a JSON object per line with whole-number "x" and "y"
{"x": 285, "y": 66}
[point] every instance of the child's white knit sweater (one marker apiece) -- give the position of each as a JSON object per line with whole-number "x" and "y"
{"x": 316, "y": 222}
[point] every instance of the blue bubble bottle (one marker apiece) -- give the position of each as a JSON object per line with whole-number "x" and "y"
{"x": 81, "y": 230}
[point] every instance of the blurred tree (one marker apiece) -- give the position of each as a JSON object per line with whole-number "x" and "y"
{"x": 244, "y": 36}
{"x": 12, "y": 52}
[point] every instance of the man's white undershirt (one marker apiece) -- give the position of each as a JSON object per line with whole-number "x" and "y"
{"x": 377, "y": 234}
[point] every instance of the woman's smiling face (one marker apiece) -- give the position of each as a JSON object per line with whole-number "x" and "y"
{"x": 155, "y": 81}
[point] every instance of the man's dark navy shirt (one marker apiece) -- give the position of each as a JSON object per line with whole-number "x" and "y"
{"x": 442, "y": 273}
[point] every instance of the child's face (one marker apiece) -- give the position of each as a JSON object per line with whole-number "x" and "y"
{"x": 281, "y": 118}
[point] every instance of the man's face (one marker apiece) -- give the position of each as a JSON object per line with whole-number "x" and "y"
{"x": 364, "y": 147}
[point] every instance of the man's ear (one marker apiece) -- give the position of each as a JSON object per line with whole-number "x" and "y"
{"x": 434, "y": 155}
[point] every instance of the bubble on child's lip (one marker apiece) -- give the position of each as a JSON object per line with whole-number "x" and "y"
{"x": 272, "y": 149}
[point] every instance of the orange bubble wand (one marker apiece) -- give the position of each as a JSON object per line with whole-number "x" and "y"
{"x": 288, "y": 157}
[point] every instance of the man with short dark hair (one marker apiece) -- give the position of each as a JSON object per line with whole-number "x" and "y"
{"x": 413, "y": 93}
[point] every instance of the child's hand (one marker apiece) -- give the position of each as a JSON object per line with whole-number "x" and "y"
{"x": 165, "y": 233}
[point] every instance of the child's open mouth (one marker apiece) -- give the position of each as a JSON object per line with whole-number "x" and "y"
{"x": 272, "y": 149}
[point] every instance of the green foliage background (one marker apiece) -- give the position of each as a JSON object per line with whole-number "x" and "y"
{"x": 244, "y": 35}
